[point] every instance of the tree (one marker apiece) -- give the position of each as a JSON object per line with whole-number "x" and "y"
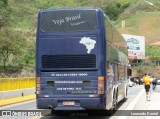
{"x": 146, "y": 67}
{"x": 5, "y": 2}
{"x": 114, "y": 9}
{"x": 28, "y": 56}
{"x": 4, "y": 13}
{"x": 11, "y": 42}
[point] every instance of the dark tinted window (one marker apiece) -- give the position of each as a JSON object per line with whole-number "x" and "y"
{"x": 68, "y": 20}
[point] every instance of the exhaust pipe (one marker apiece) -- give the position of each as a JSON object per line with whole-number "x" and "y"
{"x": 50, "y": 107}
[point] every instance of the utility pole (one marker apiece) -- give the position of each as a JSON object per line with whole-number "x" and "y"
{"x": 123, "y": 24}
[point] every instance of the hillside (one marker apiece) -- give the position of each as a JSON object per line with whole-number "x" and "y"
{"x": 18, "y": 21}
{"x": 143, "y": 24}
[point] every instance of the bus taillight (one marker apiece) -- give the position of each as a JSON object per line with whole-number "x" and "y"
{"x": 38, "y": 89}
{"x": 100, "y": 85}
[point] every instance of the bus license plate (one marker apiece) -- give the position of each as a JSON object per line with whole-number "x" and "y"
{"x": 68, "y": 103}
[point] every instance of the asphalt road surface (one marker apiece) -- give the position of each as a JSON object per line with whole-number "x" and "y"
{"x": 31, "y": 105}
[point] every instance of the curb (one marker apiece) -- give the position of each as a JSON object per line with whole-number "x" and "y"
{"x": 135, "y": 104}
{"x": 4, "y": 102}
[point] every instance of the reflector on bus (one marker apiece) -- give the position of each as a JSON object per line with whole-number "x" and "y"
{"x": 100, "y": 85}
{"x": 38, "y": 89}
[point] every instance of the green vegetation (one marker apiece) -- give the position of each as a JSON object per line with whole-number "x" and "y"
{"x": 114, "y": 9}
{"x": 18, "y": 25}
{"x": 153, "y": 52}
{"x": 146, "y": 67}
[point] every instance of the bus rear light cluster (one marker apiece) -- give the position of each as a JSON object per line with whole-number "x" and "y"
{"x": 100, "y": 85}
{"x": 38, "y": 89}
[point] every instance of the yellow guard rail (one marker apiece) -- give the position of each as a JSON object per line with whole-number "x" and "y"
{"x": 16, "y": 83}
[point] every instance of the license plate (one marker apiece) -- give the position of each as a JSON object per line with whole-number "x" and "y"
{"x": 68, "y": 103}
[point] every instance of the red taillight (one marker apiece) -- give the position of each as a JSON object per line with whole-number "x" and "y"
{"x": 38, "y": 89}
{"x": 100, "y": 85}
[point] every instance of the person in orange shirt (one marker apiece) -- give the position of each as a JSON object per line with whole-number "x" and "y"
{"x": 147, "y": 83}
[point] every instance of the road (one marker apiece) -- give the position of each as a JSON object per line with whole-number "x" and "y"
{"x": 31, "y": 105}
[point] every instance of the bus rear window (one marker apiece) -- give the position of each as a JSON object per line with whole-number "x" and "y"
{"x": 68, "y": 20}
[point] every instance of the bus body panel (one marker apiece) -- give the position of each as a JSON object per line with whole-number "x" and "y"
{"x": 63, "y": 46}
{"x": 80, "y": 103}
{"x": 64, "y": 83}
{"x": 80, "y": 91}
{"x": 69, "y": 69}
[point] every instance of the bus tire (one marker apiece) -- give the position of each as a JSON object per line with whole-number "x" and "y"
{"x": 114, "y": 105}
{"x": 115, "y": 102}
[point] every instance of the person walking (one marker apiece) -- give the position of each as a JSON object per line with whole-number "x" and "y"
{"x": 154, "y": 83}
{"x": 151, "y": 86}
{"x": 147, "y": 83}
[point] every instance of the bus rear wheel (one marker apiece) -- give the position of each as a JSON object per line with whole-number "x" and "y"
{"x": 114, "y": 105}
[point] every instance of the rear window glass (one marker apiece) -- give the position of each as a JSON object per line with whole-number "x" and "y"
{"x": 68, "y": 20}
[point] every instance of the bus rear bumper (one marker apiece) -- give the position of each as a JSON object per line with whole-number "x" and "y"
{"x": 78, "y": 103}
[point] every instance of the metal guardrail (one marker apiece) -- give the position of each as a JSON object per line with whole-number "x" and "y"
{"x": 16, "y": 83}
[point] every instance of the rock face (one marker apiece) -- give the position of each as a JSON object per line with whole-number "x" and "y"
{"x": 154, "y": 43}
